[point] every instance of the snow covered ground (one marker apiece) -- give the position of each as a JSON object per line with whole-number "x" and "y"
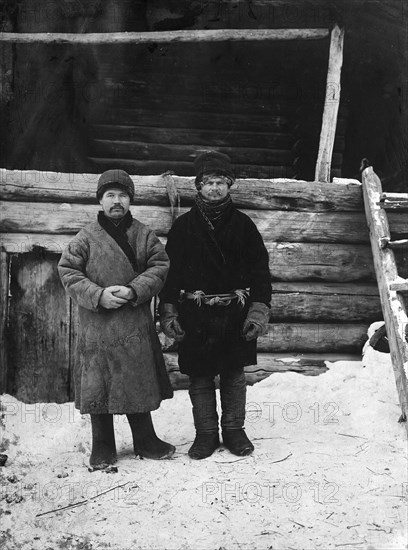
{"x": 329, "y": 471}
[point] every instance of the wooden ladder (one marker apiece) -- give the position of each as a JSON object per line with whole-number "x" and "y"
{"x": 391, "y": 286}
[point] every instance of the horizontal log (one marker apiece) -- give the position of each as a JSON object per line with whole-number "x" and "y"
{"x": 325, "y": 303}
{"x": 172, "y": 152}
{"x": 314, "y": 337}
{"x": 192, "y": 119}
{"x": 320, "y": 261}
{"x": 126, "y": 98}
{"x": 278, "y": 194}
{"x": 311, "y": 364}
{"x": 186, "y": 136}
{"x": 187, "y": 168}
{"x": 287, "y": 261}
{"x": 217, "y": 35}
{"x": 274, "y": 225}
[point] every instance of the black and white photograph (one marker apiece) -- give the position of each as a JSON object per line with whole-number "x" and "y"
{"x": 204, "y": 274}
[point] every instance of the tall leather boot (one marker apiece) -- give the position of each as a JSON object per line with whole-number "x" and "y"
{"x": 146, "y": 444}
{"x": 202, "y": 395}
{"x": 233, "y": 400}
{"x": 103, "y": 441}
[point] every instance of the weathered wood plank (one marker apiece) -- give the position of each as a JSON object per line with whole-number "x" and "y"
{"x": 331, "y": 106}
{"x": 173, "y": 152}
{"x": 287, "y": 261}
{"x": 393, "y": 306}
{"x": 4, "y": 302}
{"x": 187, "y": 168}
{"x": 325, "y": 303}
{"x": 193, "y": 119}
{"x": 314, "y": 338}
{"x": 185, "y": 136}
{"x": 275, "y": 225}
{"x": 269, "y": 363}
{"x": 320, "y": 261}
{"x": 275, "y": 194}
{"x": 214, "y": 35}
{"x": 38, "y": 339}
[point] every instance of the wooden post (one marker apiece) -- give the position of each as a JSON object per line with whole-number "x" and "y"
{"x": 214, "y": 35}
{"x": 4, "y": 294}
{"x": 331, "y": 106}
{"x": 392, "y": 304}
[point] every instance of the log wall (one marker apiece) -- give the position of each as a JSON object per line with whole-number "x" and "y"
{"x": 324, "y": 290}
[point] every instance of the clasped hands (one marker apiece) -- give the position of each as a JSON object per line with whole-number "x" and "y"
{"x": 114, "y": 297}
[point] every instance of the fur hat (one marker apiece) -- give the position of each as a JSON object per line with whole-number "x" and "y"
{"x": 115, "y": 178}
{"x": 213, "y": 162}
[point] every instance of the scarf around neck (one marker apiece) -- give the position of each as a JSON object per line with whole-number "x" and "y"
{"x": 213, "y": 212}
{"x": 117, "y": 230}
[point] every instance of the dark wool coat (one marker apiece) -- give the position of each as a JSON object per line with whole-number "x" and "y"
{"x": 237, "y": 260}
{"x": 119, "y": 366}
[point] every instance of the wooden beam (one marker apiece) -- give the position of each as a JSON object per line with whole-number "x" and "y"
{"x": 314, "y": 337}
{"x": 274, "y": 225}
{"x": 320, "y": 261}
{"x": 185, "y": 136}
{"x": 174, "y": 152}
{"x": 310, "y": 364}
{"x": 287, "y": 261}
{"x": 317, "y": 302}
{"x": 266, "y": 194}
{"x": 331, "y": 106}
{"x": 4, "y": 303}
{"x": 217, "y": 35}
{"x": 207, "y": 121}
{"x": 393, "y": 307}
{"x": 186, "y": 168}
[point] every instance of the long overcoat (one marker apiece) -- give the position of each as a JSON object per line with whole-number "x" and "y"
{"x": 119, "y": 366}
{"x": 231, "y": 257}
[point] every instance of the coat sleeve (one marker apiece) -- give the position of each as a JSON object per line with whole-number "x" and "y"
{"x": 149, "y": 283}
{"x": 258, "y": 261}
{"x": 72, "y": 271}
{"x": 171, "y": 290}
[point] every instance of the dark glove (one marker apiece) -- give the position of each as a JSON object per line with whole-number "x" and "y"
{"x": 256, "y": 323}
{"x": 169, "y": 322}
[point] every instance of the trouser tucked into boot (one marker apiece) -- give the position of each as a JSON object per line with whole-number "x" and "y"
{"x": 103, "y": 441}
{"x": 146, "y": 444}
{"x": 233, "y": 399}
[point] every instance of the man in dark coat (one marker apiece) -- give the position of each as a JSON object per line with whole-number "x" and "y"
{"x": 215, "y": 303}
{"x": 112, "y": 269}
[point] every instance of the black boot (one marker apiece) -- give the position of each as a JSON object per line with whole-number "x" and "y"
{"x": 103, "y": 441}
{"x": 146, "y": 444}
{"x": 237, "y": 442}
{"x": 202, "y": 395}
{"x": 204, "y": 445}
{"x": 233, "y": 399}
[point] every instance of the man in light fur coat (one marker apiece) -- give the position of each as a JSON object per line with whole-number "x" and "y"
{"x": 112, "y": 269}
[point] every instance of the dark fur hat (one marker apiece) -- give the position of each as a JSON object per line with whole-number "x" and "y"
{"x": 115, "y": 178}
{"x": 213, "y": 162}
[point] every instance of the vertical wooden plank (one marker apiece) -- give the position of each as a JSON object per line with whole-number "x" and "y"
{"x": 392, "y": 304}
{"x": 4, "y": 301}
{"x": 38, "y": 330}
{"x": 331, "y": 106}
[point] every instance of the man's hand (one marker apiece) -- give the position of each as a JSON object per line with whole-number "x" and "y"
{"x": 125, "y": 292}
{"x": 256, "y": 323}
{"x": 112, "y": 297}
{"x": 169, "y": 322}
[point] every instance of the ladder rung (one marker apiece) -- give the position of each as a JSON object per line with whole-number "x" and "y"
{"x": 394, "y": 201}
{"x": 386, "y": 243}
{"x": 400, "y": 286}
